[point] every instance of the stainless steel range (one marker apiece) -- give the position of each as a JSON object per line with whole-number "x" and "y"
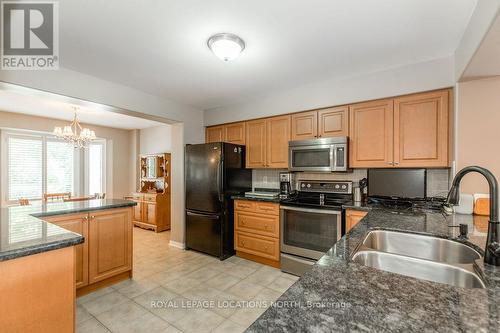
{"x": 311, "y": 223}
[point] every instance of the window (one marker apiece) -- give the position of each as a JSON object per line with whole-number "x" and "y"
{"x": 95, "y": 168}
{"x": 38, "y": 163}
{"x": 24, "y": 167}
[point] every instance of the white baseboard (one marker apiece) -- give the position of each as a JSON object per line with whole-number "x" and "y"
{"x": 178, "y": 245}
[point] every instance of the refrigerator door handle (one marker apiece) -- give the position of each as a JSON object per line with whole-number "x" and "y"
{"x": 211, "y": 217}
{"x": 219, "y": 181}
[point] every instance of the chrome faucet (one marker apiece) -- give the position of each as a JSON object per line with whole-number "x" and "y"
{"x": 492, "y": 249}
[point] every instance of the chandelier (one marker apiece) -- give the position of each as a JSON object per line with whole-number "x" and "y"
{"x": 74, "y": 134}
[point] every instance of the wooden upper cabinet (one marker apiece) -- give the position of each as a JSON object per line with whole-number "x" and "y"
{"x": 421, "y": 130}
{"x": 305, "y": 125}
{"x": 371, "y": 134}
{"x": 333, "y": 122}
{"x": 235, "y": 133}
{"x": 256, "y": 143}
{"x": 278, "y": 135}
{"x": 77, "y": 223}
{"x": 110, "y": 243}
{"x": 214, "y": 134}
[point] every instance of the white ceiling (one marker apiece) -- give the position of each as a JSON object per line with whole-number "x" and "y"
{"x": 159, "y": 46}
{"x": 51, "y": 108}
{"x": 485, "y": 62}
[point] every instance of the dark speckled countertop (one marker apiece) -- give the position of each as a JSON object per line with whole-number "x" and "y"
{"x": 264, "y": 199}
{"x": 338, "y": 295}
{"x": 23, "y": 232}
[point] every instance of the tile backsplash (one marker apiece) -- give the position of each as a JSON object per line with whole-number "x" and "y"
{"x": 437, "y": 179}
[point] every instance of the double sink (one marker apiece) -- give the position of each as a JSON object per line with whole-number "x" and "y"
{"x": 420, "y": 256}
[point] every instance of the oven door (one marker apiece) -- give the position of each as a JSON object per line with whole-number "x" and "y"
{"x": 309, "y": 233}
{"x": 311, "y": 158}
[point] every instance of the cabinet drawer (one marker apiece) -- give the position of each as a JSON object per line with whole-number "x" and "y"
{"x": 137, "y": 196}
{"x": 261, "y": 246}
{"x": 267, "y": 208}
{"x": 261, "y": 224}
{"x": 245, "y": 205}
{"x": 150, "y": 197}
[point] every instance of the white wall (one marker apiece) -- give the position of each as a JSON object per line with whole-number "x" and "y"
{"x": 481, "y": 20}
{"x": 429, "y": 75}
{"x": 78, "y": 85}
{"x": 155, "y": 140}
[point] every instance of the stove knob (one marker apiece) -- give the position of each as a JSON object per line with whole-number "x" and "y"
{"x": 337, "y": 186}
{"x": 303, "y": 185}
{"x": 308, "y": 185}
{"x": 344, "y": 187}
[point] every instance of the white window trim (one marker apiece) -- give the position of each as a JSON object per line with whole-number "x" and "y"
{"x": 80, "y": 164}
{"x": 86, "y": 168}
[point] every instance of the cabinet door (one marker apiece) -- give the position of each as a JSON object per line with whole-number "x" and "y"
{"x": 256, "y": 144}
{"x": 214, "y": 134}
{"x": 352, "y": 217}
{"x": 77, "y": 223}
{"x": 421, "y": 130}
{"x": 110, "y": 243}
{"x": 305, "y": 125}
{"x": 235, "y": 133}
{"x": 278, "y": 136}
{"x": 333, "y": 122}
{"x": 150, "y": 213}
{"x": 137, "y": 211}
{"x": 371, "y": 134}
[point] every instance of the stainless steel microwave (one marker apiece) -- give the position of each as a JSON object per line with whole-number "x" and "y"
{"x": 318, "y": 155}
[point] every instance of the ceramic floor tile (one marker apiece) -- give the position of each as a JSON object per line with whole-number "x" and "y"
{"x": 263, "y": 277}
{"x": 121, "y": 316}
{"x": 154, "y": 297}
{"x": 201, "y": 293}
{"x": 241, "y": 271}
{"x": 203, "y": 274}
{"x": 82, "y": 314}
{"x": 135, "y": 287}
{"x": 229, "y": 326}
{"x": 94, "y": 295}
{"x": 226, "y": 304}
{"x": 91, "y": 326}
{"x": 246, "y": 316}
{"x": 172, "y": 310}
{"x": 182, "y": 285}
{"x": 245, "y": 290}
{"x": 281, "y": 284}
{"x": 147, "y": 323}
{"x": 222, "y": 281}
{"x": 104, "y": 303}
{"x": 199, "y": 321}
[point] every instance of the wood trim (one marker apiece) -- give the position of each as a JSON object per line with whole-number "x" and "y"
{"x": 264, "y": 261}
{"x": 278, "y": 136}
{"x": 214, "y": 134}
{"x": 353, "y": 217}
{"x": 239, "y": 139}
{"x": 341, "y": 111}
{"x": 256, "y": 144}
{"x": 103, "y": 283}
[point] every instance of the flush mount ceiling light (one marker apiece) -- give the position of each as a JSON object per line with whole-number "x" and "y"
{"x": 226, "y": 46}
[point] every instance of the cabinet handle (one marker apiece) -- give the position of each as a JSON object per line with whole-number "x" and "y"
{"x": 85, "y": 218}
{"x": 266, "y": 226}
{"x": 396, "y": 163}
{"x": 92, "y": 217}
{"x": 242, "y": 243}
{"x": 390, "y": 163}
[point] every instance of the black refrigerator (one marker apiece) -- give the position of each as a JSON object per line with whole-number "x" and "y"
{"x": 214, "y": 172}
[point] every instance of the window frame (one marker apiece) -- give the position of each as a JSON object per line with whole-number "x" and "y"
{"x": 80, "y": 164}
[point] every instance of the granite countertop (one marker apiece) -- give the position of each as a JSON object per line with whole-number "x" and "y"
{"x": 262, "y": 199}
{"x": 23, "y": 232}
{"x": 338, "y": 295}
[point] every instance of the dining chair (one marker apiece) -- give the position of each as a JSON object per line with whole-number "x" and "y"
{"x": 100, "y": 195}
{"x": 24, "y": 202}
{"x": 56, "y": 196}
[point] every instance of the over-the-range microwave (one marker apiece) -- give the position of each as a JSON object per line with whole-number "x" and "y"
{"x": 318, "y": 155}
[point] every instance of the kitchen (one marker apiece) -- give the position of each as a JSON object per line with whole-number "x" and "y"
{"x": 323, "y": 183}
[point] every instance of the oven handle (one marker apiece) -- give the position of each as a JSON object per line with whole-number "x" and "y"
{"x": 310, "y": 210}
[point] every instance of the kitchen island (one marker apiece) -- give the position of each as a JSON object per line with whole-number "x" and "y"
{"x": 339, "y": 295}
{"x": 42, "y": 263}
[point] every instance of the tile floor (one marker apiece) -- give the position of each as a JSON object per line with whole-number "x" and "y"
{"x": 181, "y": 291}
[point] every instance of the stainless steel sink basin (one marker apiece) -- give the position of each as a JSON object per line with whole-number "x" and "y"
{"x": 421, "y": 246}
{"x": 420, "y": 269}
{"x": 419, "y": 256}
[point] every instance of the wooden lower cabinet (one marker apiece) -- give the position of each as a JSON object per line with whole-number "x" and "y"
{"x": 110, "y": 235}
{"x": 152, "y": 211}
{"x": 106, "y": 254}
{"x": 77, "y": 223}
{"x": 352, "y": 217}
{"x": 256, "y": 231}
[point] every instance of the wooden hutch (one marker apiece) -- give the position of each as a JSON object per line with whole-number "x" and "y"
{"x": 153, "y": 199}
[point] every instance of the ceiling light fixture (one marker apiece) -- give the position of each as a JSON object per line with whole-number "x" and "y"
{"x": 74, "y": 134}
{"x": 226, "y": 46}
